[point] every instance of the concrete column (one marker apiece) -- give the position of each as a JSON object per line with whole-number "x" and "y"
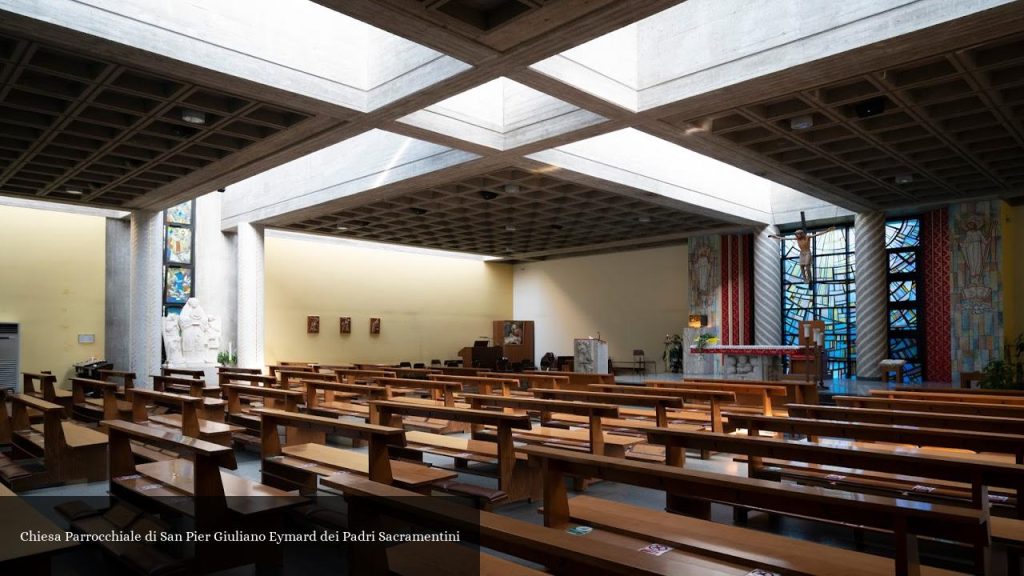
{"x": 872, "y": 294}
{"x": 250, "y": 295}
{"x": 214, "y": 253}
{"x": 146, "y": 285}
{"x": 767, "y": 288}
{"x": 117, "y": 324}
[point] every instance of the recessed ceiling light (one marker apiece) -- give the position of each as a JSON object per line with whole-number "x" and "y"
{"x": 74, "y": 191}
{"x": 511, "y": 188}
{"x": 801, "y": 122}
{"x": 341, "y": 228}
{"x": 510, "y": 227}
{"x": 644, "y": 219}
{"x": 193, "y": 116}
{"x": 904, "y": 178}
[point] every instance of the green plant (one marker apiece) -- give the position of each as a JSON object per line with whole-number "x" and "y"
{"x": 227, "y": 359}
{"x": 999, "y": 375}
{"x": 704, "y": 340}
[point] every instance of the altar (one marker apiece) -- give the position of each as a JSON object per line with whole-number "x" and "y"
{"x": 751, "y": 362}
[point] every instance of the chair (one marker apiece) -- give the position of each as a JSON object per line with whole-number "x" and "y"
{"x": 419, "y": 365}
{"x": 971, "y": 379}
{"x": 640, "y": 360}
{"x": 435, "y": 362}
{"x": 405, "y": 364}
{"x": 892, "y": 366}
{"x": 547, "y": 361}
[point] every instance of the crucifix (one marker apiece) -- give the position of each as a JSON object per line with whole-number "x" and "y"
{"x": 803, "y": 242}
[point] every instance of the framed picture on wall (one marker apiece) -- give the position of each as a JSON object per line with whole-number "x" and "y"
{"x": 374, "y": 325}
{"x": 312, "y": 324}
{"x": 345, "y": 325}
{"x": 513, "y": 333}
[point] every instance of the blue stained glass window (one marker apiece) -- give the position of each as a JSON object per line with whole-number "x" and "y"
{"x": 903, "y": 233}
{"x": 832, "y": 298}
{"x": 902, "y": 243}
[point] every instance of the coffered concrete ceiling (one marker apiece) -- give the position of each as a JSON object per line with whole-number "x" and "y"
{"x": 517, "y": 128}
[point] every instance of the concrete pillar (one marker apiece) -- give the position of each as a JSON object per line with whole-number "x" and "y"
{"x": 214, "y": 253}
{"x": 117, "y": 324}
{"x": 767, "y": 288}
{"x": 146, "y": 286}
{"x": 872, "y": 294}
{"x": 250, "y": 277}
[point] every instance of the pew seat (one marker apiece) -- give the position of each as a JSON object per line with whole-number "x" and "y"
{"x": 75, "y": 435}
{"x": 328, "y": 460}
{"x": 216, "y": 432}
{"x": 764, "y": 549}
{"x": 615, "y": 445}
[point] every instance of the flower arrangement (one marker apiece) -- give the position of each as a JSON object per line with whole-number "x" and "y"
{"x": 227, "y": 359}
{"x": 704, "y": 340}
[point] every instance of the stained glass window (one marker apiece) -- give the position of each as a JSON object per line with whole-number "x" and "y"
{"x": 833, "y": 298}
{"x": 902, "y": 245}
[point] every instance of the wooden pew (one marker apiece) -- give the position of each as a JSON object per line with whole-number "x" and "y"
{"x": 29, "y": 558}
{"x": 335, "y": 394}
{"x": 273, "y": 369}
{"x": 289, "y": 379}
{"x": 951, "y": 397}
{"x": 797, "y": 391}
{"x": 908, "y": 418}
{"x": 197, "y": 487}
{"x": 661, "y": 405}
{"x": 67, "y": 452}
{"x": 356, "y": 376}
{"x": 183, "y": 373}
{"x": 577, "y": 380}
{"x": 977, "y": 476}
{"x": 43, "y": 385}
{"x": 515, "y": 484}
{"x": 400, "y": 371}
{"x": 306, "y": 457}
{"x": 187, "y": 421}
{"x": 213, "y": 405}
{"x": 238, "y": 370}
{"x": 252, "y": 379}
{"x": 5, "y": 418}
{"x": 484, "y": 385}
{"x": 127, "y": 380}
{"x": 107, "y": 407}
{"x": 374, "y": 504}
{"x": 440, "y": 392}
{"x": 534, "y": 379}
{"x": 941, "y": 438}
{"x": 908, "y": 521}
{"x": 714, "y": 398}
{"x": 597, "y": 441}
{"x": 241, "y": 415}
{"x": 993, "y": 410}
{"x": 981, "y": 391}
{"x": 762, "y": 393}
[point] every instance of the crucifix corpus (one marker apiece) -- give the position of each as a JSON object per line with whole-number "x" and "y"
{"x": 803, "y": 242}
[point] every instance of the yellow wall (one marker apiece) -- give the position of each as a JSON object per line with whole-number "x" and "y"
{"x": 53, "y": 285}
{"x": 430, "y": 306}
{"x": 631, "y": 298}
{"x": 1013, "y": 272}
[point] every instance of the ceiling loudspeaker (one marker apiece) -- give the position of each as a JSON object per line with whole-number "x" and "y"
{"x": 870, "y": 107}
{"x": 488, "y": 195}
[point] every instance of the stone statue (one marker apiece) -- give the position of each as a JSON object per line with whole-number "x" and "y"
{"x": 192, "y": 338}
{"x": 172, "y": 341}
{"x": 192, "y": 322}
{"x": 213, "y": 329}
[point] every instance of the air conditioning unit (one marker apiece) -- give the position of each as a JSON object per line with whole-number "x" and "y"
{"x": 9, "y": 356}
